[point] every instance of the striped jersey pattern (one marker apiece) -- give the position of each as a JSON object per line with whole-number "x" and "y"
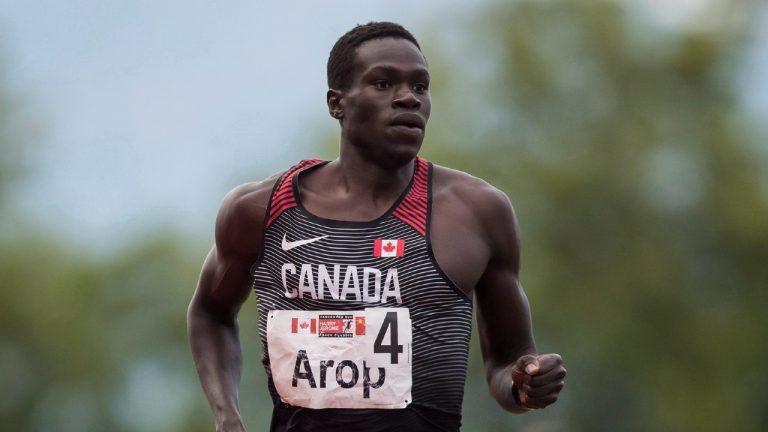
{"x": 441, "y": 314}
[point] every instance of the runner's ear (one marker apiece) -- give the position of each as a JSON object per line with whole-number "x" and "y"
{"x": 334, "y": 101}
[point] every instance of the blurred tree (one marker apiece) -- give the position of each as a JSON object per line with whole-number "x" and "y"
{"x": 634, "y": 172}
{"x": 93, "y": 343}
{"x": 89, "y": 344}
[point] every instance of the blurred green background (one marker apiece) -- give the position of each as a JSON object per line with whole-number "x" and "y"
{"x": 639, "y": 176}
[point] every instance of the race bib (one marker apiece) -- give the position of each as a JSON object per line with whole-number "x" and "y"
{"x": 341, "y": 359}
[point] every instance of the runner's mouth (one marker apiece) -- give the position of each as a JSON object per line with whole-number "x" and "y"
{"x": 409, "y": 120}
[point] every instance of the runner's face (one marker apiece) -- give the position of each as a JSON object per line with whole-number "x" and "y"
{"x": 385, "y": 111}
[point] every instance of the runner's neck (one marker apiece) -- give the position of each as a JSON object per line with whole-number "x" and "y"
{"x": 355, "y": 178}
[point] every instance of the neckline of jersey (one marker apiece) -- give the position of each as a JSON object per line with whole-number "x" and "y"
{"x": 347, "y": 223}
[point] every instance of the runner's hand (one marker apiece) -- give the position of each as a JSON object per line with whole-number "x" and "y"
{"x": 539, "y": 379}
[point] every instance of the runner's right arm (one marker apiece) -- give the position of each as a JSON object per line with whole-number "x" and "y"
{"x": 223, "y": 286}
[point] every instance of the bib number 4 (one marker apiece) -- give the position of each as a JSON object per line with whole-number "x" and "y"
{"x": 327, "y": 359}
{"x": 389, "y": 324}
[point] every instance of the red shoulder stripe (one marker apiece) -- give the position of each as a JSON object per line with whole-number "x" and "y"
{"x": 413, "y": 208}
{"x": 283, "y": 198}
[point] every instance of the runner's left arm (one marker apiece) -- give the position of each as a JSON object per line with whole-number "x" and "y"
{"x": 518, "y": 378}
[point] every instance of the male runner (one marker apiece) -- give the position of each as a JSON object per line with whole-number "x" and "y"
{"x": 379, "y": 238}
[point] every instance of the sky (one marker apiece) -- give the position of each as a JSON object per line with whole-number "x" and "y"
{"x": 149, "y": 112}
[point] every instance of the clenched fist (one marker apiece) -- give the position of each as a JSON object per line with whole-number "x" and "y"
{"x": 539, "y": 379}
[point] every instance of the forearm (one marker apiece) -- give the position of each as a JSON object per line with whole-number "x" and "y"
{"x": 217, "y": 354}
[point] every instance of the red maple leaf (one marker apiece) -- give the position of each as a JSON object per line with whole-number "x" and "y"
{"x": 304, "y": 325}
{"x": 389, "y": 247}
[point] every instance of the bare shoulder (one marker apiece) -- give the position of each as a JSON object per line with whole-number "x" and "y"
{"x": 249, "y": 197}
{"x": 480, "y": 204}
{"x": 454, "y": 185}
{"x": 241, "y": 215}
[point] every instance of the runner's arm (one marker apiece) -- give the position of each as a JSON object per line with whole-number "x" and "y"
{"x": 223, "y": 286}
{"x": 504, "y": 320}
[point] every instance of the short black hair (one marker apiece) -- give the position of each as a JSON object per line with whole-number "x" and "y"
{"x": 342, "y": 58}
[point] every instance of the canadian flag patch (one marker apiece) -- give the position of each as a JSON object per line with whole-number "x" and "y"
{"x": 388, "y": 248}
{"x": 303, "y": 325}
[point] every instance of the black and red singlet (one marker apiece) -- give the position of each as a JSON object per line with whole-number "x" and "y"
{"x": 311, "y": 265}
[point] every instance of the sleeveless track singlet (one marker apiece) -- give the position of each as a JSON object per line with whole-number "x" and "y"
{"x": 360, "y": 328}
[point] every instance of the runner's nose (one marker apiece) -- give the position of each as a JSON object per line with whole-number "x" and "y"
{"x": 406, "y": 99}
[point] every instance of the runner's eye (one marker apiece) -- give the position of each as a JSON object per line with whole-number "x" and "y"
{"x": 420, "y": 87}
{"x": 382, "y": 84}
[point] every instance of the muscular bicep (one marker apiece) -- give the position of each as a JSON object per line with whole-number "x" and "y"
{"x": 225, "y": 279}
{"x": 223, "y": 286}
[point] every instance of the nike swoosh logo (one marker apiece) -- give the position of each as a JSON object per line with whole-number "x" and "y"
{"x": 290, "y": 245}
